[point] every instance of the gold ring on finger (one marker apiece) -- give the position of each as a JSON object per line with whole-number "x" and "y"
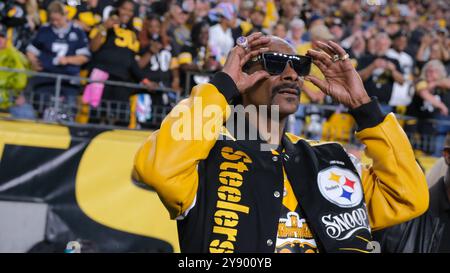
{"x": 345, "y": 57}
{"x": 335, "y": 58}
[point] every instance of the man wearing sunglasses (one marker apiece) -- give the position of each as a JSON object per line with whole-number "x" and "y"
{"x": 231, "y": 195}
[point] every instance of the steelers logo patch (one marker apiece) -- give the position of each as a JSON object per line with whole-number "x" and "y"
{"x": 340, "y": 186}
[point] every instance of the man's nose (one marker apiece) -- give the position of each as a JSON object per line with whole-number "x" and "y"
{"x": 289, "y": 73}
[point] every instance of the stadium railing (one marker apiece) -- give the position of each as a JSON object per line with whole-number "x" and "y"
{"x": 51, "y": 107}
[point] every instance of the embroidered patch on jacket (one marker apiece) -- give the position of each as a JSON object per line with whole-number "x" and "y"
{"x": 341, "y": 226}
{"x": 340, "y": 186}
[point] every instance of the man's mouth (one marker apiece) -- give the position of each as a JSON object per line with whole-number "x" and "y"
{"x": 288, "y": 91}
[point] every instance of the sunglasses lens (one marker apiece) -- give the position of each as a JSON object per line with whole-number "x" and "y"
{"x": 275, "y": 63}
{"x": 302, "y": 66}
{"x": 275, "y": 66}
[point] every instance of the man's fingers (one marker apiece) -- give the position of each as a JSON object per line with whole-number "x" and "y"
{"x": 320, "y": 56}
{"x": 328, "y": 49}
{"x": 237, "y": 50}
{"x": 323, "y": 85}
{"x": 257, "y": 76}
{"x": 261, "y": 41}
{"x": 320, "y": 59}
{"x": 252, "y": 54}
{"x": 254, "y": 41}
{"x": 320, "y": 65}
{"x": 253, "y": 36}
{"x": 339, "y": 50}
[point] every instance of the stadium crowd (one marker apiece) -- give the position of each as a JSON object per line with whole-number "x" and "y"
{"x": 400, "y": 48}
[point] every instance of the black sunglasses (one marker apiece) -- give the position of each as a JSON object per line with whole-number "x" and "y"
{"x": 275, "y": 63}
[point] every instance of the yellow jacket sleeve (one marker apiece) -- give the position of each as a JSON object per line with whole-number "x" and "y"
{"x": 395, "y": 187}
{"x": 168, "y": 159}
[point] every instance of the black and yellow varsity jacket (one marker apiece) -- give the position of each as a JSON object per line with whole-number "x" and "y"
{"x": 225, "y": 193}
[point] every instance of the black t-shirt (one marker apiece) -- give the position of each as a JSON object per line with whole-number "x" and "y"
{"x": 14, "y": 16}
{"x": 159, "y": 67}
{"x": 92, "y": 16}
{"x": 117, "y": 54}
{"x": 444, "y": 96}
{"x": 197, "y": 55}
{"x": 423, "y": 109}
{"x": 381, "y": 82}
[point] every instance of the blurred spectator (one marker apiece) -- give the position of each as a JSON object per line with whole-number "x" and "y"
{"x": 159, "y": 7}
{"x": 356, "y": 24}
{"x": 12, "y": 84}
{"x": 245, "y": 8}
{"x": 371, "y": 48}
{"x": 433, "y": 89}
{"x": 174, "y": 24}
{"x": 21, "y": 17}
{"x": 392, "y": 27}
{"x": 347, "y": 9}
{"x": 93, "y": 12}
{"x": 114, "y": 45}
{"x": 220, "y": 35}
{"x": 69, "y": 5}
{"x": 159, "y": 66}
{"x": 379, "y": 72}
{"x": 295, "y": 33}
{"x": 401, "y": 94}
{"x": 60, "y": 47}
{"x": 289, "y": 10}
{"x": 257, "y": 16}
{"x": 381, "y": 20}
{"x": 156, "y": 59}
{"x": 397, "y": 51}
{"x": 315, "y": 20}
{"x": 201, "y": 9}
{"x": 182, "y": 32}
{"x": 355, "y": 45}
{"x": 337, "y": 29}
{"x": 416, "y": 32}
{"x": 429, "y": 233}
{"x": 440, "y": 201}
{"x": 152, "y": 30}
{"x": 272, "y": 16}
{"x": 438, "y": 170}
{"x": 433, "y": 47}
{"x": 199, "y": 56}
{"x": 242, "y": 25}
{"x": 279, "y": 30}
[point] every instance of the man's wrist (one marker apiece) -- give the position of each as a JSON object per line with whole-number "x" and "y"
{"x": 225, "y": 84}
{"x": 368, "y": 115}
{"x": 360, "y": 101}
